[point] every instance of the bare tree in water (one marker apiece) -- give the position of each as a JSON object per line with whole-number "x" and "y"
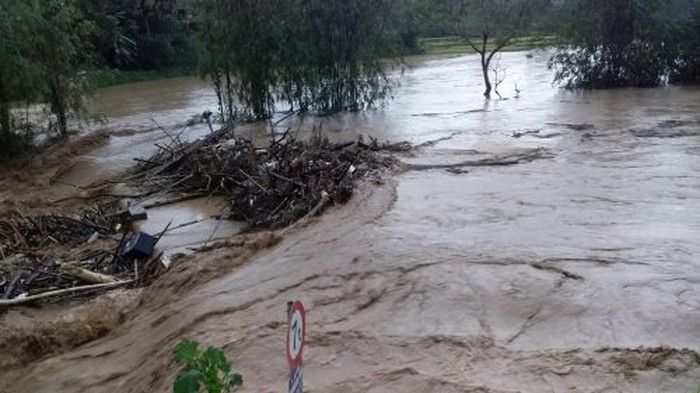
{"x": 499, "y": 76}
{"x": 488, "y": 26}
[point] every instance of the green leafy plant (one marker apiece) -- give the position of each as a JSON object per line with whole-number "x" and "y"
{"x": 208, "y": 369}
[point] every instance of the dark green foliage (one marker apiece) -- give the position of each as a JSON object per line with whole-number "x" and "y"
{"x": 637, "y": 65}
{"x": 437, "y": 18}
{"x": 141, "y": 35}
{"x": 42, "y": 50}
{"x": 60, "y": 52}
{"x": 15, "y": 73}
{"x": 239, "y": 51}
{"x": 441, "y": 18}
{"x": 207, "y": 369}
{"x": 17, "y": 82}
{"x": 337, "y": 63}
{"x": 408, "y": 29}
{"x": 14, "y": 144}
{"x": 686, "y": 68}
{"x": 622, "y": 43}
{"x": 312, "y": 54}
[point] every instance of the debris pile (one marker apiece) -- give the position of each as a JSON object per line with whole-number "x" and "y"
{"x": 54, "y": 256}
{"x": 19, "y": 233}
{"x": 58, "y": 256}
{"x": 269, "y": 187}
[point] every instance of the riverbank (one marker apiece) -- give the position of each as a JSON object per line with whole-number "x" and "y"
{"x": 457, "y": 46}
{"x": 100, "y": 79}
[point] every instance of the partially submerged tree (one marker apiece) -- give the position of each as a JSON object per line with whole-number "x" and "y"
{"x": 60, "y": 52}
{"x": 499, "y": 76}
{"x": 341, "y": 64}
{"x": 488, "y": 26}
{"x": 616, "y": 43}
{"x": 239, "y": 43}
{"x": 41, "y": 55}
{"x": 321, "y": 55}
{"x": 17, "y": 73}
{"x": 686, "y": 67}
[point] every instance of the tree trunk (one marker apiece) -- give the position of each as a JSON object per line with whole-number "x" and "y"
{"x": 229, "y": 95}
{"x": 62, "y": 122}
{"x": 6, "y": 148}
{"x": 5, "y": 118}
{"x": 4, "y": 112}
{"x": 487, "y": 80}
{"x": 58, "y": 107}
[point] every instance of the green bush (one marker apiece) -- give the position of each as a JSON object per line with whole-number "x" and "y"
{"x": 208, "y": 369}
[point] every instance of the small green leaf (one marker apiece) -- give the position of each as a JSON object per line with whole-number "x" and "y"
{"x": 186, "y": 351}
{"x": 187, "y": 382}
{"x": 209, "y": 370}
{"x": 218, "y": 359}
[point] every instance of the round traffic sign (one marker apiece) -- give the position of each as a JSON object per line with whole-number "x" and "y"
{"x": 296, "y": 334}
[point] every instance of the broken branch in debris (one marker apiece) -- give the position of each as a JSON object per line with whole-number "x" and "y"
{"x": 61, "y": 292}
{"x": 84, "y": 275}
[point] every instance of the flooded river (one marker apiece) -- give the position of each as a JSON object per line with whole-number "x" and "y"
{"x": 535, "y": 277}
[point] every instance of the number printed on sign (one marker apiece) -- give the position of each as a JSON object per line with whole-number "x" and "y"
{"x": 296, "y": 334}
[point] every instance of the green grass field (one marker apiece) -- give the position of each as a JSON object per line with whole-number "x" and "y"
{"x": 455, "y": 46}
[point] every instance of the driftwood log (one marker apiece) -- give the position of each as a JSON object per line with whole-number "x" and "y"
{"x": 84, "y": 275}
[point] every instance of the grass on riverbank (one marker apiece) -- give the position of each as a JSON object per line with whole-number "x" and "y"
{"x": 101, "y": 79}
{"x": 442, "y": 47}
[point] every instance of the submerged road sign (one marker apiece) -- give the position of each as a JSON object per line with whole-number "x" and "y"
{"x": 296, "y": 338}
{"x": 296, "y": 334}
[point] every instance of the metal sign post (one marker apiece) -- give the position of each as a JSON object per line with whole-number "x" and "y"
{"x": 296, "y": 337}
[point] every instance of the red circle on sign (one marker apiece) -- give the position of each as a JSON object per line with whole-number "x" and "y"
{"x": 296, "y": 334}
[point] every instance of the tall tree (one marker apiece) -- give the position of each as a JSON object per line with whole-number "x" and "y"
{"x": 42, "y": 51}
{"x": 60, "y": 53}
{"x": 321, "y": 55}
{"x": 239, "y": 51}
{"x": 344, "y": 43}
{"x": 18, "y": 75}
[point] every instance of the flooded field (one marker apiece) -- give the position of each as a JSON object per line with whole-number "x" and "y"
{"x": 575, "y": 271}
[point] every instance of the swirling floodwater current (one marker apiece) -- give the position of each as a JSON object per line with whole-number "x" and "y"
{"x": 576, "y": 271}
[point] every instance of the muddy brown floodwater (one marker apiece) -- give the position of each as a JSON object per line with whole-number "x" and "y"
{"x": 576, "y": 272}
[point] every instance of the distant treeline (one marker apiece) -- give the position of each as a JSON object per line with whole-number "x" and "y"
{"x": 320, "y": 55}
